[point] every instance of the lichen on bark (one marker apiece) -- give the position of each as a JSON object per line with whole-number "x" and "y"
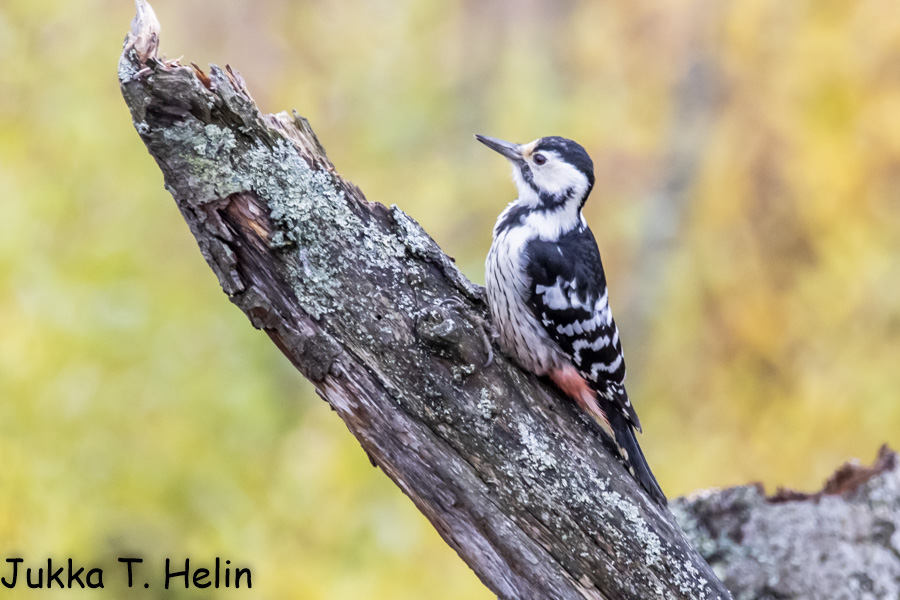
{"x": 842, "y": 543}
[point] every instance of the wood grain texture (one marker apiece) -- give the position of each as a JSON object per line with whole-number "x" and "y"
{"x": 365, "y": 305}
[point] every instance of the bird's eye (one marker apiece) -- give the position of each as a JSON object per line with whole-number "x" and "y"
{"x": 539, "y": 159}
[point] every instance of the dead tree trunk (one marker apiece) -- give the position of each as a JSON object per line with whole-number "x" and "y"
{"x": 842, "y": 543}
{"x": 365, "y": 305}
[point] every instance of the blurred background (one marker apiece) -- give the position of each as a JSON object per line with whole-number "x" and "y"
{"x": 747, "y": 154}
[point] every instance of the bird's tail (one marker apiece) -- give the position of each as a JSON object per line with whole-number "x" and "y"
{"x": 634, "y": 457}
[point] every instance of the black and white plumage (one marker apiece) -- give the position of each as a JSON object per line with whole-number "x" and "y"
{"x": 548, "y": 295}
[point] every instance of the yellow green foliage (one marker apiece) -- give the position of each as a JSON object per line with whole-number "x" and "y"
{"x": 759, "y": 304}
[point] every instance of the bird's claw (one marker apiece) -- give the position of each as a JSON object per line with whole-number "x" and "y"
{"x": 488, "y": 335}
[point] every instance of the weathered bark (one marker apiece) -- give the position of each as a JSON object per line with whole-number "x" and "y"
{"x": 366, "y": 306}
{"x": 842, "y": 543}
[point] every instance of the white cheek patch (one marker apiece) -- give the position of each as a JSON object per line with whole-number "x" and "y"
{"x": 554, "y": 178}
{"x": 557, "y": 176}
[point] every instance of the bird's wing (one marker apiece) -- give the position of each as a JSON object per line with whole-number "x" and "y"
{"x": 568, "y": 296}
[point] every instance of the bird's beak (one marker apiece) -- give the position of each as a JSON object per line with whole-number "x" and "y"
{"x": 508, "y": 149}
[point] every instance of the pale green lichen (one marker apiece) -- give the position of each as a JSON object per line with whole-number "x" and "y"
{"x": 205, "y": 162}
{"x": 214, "y": 166}
{"x": 461, "y": 372}
{"x": 486, "y": 405}
{"x": 412, "y": 234}
{"x": 127, "y": 69}
{"x": 535, "y": 449}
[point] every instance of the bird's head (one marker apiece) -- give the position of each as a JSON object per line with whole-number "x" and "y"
{"x": 549, "y": 172}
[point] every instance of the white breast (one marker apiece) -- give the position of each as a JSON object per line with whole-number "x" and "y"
{"x": 521, "y": 335}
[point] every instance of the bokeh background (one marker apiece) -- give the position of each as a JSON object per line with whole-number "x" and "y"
{"x": 748, "y": 210}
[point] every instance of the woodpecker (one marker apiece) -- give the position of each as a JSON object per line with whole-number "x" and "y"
{"x": 547, "y": 291}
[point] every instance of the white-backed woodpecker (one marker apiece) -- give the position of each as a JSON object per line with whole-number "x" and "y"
{"x": 547, "y": 291}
